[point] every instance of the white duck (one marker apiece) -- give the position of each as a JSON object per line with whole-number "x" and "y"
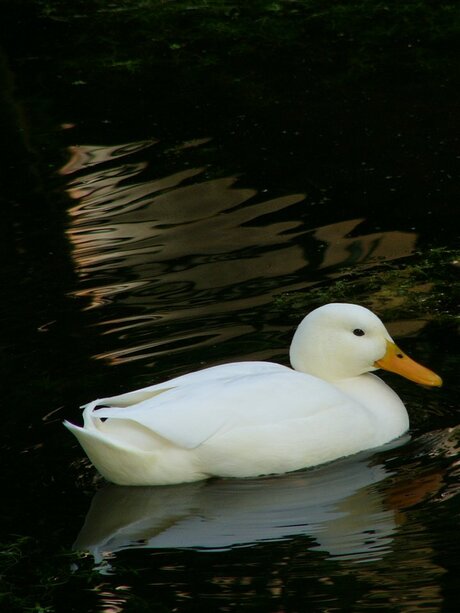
{"x": 253, "y": 418}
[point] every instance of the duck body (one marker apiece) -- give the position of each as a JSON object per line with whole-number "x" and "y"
{"x": 252, "y": 418}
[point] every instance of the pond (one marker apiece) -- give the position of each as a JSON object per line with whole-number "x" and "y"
{"x": 183, "y": 182}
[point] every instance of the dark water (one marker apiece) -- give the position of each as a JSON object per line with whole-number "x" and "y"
{"x": 179, "y": 189}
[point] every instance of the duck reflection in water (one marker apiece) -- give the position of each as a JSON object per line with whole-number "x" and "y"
{"x": 340, "y": 507}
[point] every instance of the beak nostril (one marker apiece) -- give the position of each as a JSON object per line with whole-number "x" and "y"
{"x": 399, "y": 355}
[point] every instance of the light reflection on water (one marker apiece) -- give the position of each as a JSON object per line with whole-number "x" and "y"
{"x": 186, "y": 246}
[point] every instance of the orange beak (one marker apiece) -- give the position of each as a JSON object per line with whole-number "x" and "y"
{"x": 397, "y": 361}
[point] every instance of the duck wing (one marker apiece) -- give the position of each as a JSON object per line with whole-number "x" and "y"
{"x": 188, "y": 411}
{"x": 205, "y": 376}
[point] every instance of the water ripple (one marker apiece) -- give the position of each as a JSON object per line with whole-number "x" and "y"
{"x": 187, "y": 244}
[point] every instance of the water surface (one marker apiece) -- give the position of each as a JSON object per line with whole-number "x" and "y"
{"x": 179, "y": 200}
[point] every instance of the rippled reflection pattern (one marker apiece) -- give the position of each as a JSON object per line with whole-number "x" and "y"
{"x": 352, "y": 525}
{"x": 188, "y": 245}
{"x": 334, "y": 505}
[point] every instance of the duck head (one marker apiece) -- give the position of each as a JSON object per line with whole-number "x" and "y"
{"x": 340, "y": 341}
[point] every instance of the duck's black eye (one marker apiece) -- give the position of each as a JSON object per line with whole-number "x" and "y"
{"x": 358, "y": 332}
